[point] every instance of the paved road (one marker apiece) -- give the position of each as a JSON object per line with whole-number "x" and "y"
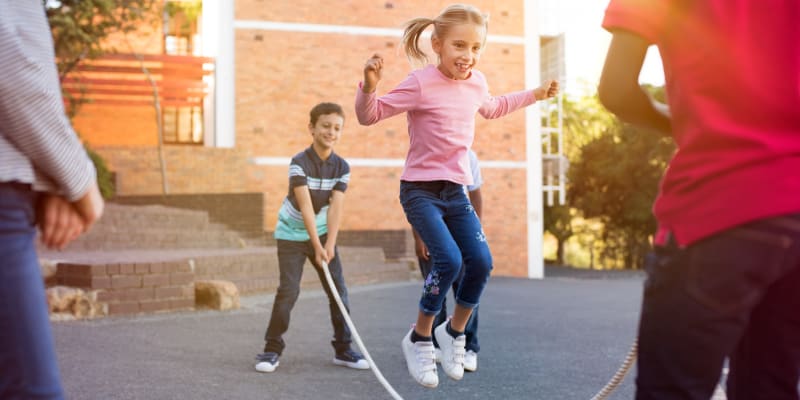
{"x": 557, "y": 338}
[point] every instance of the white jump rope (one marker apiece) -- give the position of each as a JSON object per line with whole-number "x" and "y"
{"x": 601, "y": 395}
{"x": 356, "y": 337}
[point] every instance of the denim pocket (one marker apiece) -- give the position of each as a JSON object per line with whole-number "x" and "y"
{"x": 730, "y": 271}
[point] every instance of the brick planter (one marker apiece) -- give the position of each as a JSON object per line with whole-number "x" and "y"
{"x": 133, "y": 288}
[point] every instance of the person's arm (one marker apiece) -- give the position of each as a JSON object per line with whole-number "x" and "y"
{"x": 370, "y": 109}
{"x": 499, "y": 106}
{"x": 335, "y": 210}
{"x": 477, "y": 202}
{"x": 33, "y": 120}
{"x": 303, "y": 198}
{"x": 31, "y": 106}
{"x": 619, "y": 87}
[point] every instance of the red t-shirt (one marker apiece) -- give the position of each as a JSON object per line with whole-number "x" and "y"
{"x": 732, "y": 71}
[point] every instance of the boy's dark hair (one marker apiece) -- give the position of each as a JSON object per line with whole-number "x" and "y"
{"x": 325, "y": 109}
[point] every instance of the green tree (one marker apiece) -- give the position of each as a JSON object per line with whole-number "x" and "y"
{"x": 584, "y": 119}
{"x": 558, "y": 221}
{"x": 615, "y": 179}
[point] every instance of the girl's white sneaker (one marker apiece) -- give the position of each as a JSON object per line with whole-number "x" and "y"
{"x": 421, "y": 361}
{"x": 452, "y": 351}
{"x": 471, "y": 361}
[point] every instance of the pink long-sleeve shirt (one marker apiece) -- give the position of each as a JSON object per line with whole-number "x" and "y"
{"x": 441, "y": 119}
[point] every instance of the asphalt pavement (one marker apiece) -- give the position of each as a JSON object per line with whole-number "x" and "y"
{"x": 562, "y": 337}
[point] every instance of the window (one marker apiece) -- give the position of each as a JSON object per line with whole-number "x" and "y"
{"x": 182, "y": 124}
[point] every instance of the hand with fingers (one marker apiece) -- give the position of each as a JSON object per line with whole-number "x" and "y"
{"x": 90, "y": 206}
{"x": 330, "y": 251}
{"x": 548, "y": 89}
{"x": 372, "y": 73}
{"x": 59, "y": 222}
{"x": 320, "y": 255}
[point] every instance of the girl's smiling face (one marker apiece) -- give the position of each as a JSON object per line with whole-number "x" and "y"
{"x": 459, "y": 49}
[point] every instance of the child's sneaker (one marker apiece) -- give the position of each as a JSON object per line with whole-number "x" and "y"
{"x": 267, "y": 362}
{"x": 438, "y": 353}
{"x": 452, "y": 351}
{"x": 351, "y": 359}
{"x": 470, "y": 361}
{"x": 420, "y": 361}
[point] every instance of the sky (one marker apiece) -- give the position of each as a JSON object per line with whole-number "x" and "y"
{"x": 587, "y": 43}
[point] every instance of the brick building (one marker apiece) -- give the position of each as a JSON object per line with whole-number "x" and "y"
{"x": 273, "y": 60}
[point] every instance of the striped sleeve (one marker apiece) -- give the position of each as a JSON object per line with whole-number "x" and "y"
{"x": 38, "y": 144}
{"x": 343, "y": 179}
{"x": 297, "y": 175}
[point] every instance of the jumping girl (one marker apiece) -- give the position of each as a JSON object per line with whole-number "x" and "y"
{"x": 441, "y": 102}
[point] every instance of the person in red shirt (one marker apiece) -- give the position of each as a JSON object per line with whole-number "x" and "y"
{"x": 724, "y": 280}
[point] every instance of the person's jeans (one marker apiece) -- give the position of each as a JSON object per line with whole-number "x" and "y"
{"x": 444, "y": 218}
{"x": 471, "y": 330}
{"x": 735, "y": 294}
{"x": 291, "y": 257}
{"x": 28, "y": 365}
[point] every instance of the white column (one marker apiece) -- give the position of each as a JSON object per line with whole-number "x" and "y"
{"x": 533, "y": 145}
{"x": 219, "y": 42}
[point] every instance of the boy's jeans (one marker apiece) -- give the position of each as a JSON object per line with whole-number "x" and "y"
{"x": 28, "y": 368}
{"x": 471, "y": 330}
{"x": 735, "y": 294}
{"x": 444, "y": 218}
{"x": 291, "y": 257}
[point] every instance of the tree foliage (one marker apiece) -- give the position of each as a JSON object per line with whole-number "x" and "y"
{"x": 584, "y": 119}
{"x": 615, "y": 179}
{"x": 80, "y": 27}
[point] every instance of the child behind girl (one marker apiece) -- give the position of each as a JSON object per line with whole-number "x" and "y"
{"x": 441, "y": 102}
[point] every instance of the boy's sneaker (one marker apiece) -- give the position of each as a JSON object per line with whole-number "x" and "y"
{"x": 452, "y": 351}
{"x": 351, "y": 359}
{"x": 471, "y": 361}
{"x": 267, "y": 362}
{"x": 420, "y": 360}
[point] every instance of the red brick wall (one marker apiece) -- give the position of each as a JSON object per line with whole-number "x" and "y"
{"x": 190, "y": 169}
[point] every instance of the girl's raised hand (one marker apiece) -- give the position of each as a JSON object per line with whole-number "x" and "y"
{"x": 548, "y": 89}
{"x": 372, "y": 73}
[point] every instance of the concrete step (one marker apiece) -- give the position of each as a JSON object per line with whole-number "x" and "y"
{"x": 153, "y": 216}
{"x": 122, "y": 237}
{"x": 155, "y": 227}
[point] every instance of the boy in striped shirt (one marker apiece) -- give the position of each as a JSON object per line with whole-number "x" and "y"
{"x": 308, "y": 223}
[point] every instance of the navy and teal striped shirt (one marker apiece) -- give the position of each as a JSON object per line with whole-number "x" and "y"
{"x": 321, "y": 177}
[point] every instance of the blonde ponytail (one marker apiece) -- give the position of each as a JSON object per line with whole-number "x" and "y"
{"x": 455, "y": 14}
{"x": 413, "y": 30}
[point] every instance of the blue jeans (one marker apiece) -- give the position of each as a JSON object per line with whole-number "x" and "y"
{"x": 28, "y": 365}
{"x": 736, "y": 295}
{"x": 291, "y": 257}
{"x": 471, "y": 330}
{"x": 444, "y": 218}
